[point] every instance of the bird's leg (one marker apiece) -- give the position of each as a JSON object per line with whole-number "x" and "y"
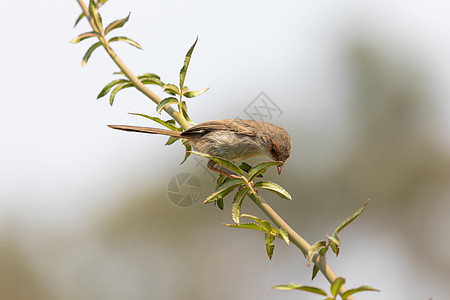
{"x": 215, "y": 167}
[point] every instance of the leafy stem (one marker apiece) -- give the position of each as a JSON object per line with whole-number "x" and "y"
{"x": 100, "y": 34}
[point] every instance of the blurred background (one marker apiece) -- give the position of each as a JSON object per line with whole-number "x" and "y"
{"x": 362, "y": 87}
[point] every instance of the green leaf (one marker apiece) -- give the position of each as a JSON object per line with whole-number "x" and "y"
{"x": 171, "y": 140}
{"x": 185, "y": 114}
{"x": 153, "y": 79}
{"x": 261, "y": 168}
{"x": 93, "y": 11}
{"x": 220, "y": 203}
{"x": 336, "y": 286}
{"x": 188, "y": 151}
{"x": 84, "y": 36}
{"x": 168, "y": 124}
{"x": 314, "y": 249}
{"x": 192, "y": 94}
{"x": 126, "y": 40}
{"x": 284, "y": 235}
{"x": 334, "y": 247}
{"x": 263, "y": 223}
{"x": 269, "y": 246}
{"x": 80, "y": 17}
{"x": 148, "y": 76}
{"x": 225, "y": 189}
{"x": 187, "y": 59}
{"x": 273, "y": 187}
{"x": 222, "y": 161}
{"x": 117, "y": 89}
{"x": 247, "y": 226}
{"x": 108, "y": 87}
{"x": 351, "y": 219}
{"x": 89, "y": 52}
{"x": 237, "y": 203}
{"x": 362, "y": 288}
{"x": 314, "y": 272}
{"x": 117, "y": 24}
{"x": 165, "y": 102}
{"x": 293, "y": 286}
{"x": 171, "y": 89}
{"x": 220, "y": 180}
{"x": 334, "y": 243}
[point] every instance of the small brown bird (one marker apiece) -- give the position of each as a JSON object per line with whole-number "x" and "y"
{"x": 232, "y": 139}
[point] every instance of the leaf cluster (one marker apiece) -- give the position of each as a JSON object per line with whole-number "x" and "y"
{"x": 100, "y": 32}
{"x": 333, "y": 241}
{"x": 244, "y": 185}
{"x": 334, "y": 289}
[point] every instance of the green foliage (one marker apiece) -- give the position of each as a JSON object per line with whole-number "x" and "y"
{"x": 101, "y": 33}
{"x": 270, "y": 232}
{"x": 321, "y": 247}
{"x": 334, "y": 289}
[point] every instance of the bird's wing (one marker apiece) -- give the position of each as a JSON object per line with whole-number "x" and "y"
{"x": 239, "y": 126}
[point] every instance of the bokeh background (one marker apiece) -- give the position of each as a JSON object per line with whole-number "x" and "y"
{"x": 363, "y": 90}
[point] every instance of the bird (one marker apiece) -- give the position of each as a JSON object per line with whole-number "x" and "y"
{"x": 232, "y": 139}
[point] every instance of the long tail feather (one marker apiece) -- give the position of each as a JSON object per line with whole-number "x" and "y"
{"x": 146, "y": 130}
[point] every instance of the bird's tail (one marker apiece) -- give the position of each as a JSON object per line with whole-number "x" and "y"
{"x": 176, "y": 134}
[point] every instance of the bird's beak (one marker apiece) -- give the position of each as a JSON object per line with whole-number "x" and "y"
{"x": 279, "y": 169}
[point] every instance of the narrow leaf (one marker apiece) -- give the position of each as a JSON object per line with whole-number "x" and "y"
{"x": 222, "y": 161}
{"x": 89, "y": 52}
{"x": 293, "y": 286}
{"x": 84, "y": 36}
{"x": 165, "y": 102}
{"x": 80, "y": 17}
{"x": 336, "y": 286}
{"x": 220, "y": 180}
{"x": 171, "y": 140}
{"x": 192, "y": 94}
{"x": 352, "y": 218}
{"x": 263, "y": 223}
{"x": 93, "y": 11}
{"x": 261, "y": 168}
{"x": 171, "y": 89}
{"x": 117, "y": 24}
{"x": 314, "y": 272}
{"x": 159, "y": 121}
{"x": 314, "y": 249}
{"x": 362, "y": 288}
{"x": 187, "y": 59}
{"x": 269, "y": 246}
{"x": 237, "y": 203}
{"x": 284, "y": 235}
{"x": 117, "y": 89}
{"x": 335, "y": 248}
{"x": 148, "y": 76}
{"x": 227, "y": 188}
{"x": 152, "y": 81}
{"x": 220, "y": 203}
{"x": 185, "y": 114}
{"x": 108, "y": 87}
{"x": 126, "y": 40}
{"x": 188, "y": 151}
{"x": 273, "y": 187}
{"x": 247, "y": 226}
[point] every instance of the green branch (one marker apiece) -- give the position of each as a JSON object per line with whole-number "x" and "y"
{"x": 297, "y": 240}
{"x": 127, "y": 72}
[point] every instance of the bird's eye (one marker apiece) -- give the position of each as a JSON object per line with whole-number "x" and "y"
{"x": 273, "y": 150}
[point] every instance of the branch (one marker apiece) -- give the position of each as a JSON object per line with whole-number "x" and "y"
{"x": 127, "y": 72}
{"x": 297, "y": 240}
